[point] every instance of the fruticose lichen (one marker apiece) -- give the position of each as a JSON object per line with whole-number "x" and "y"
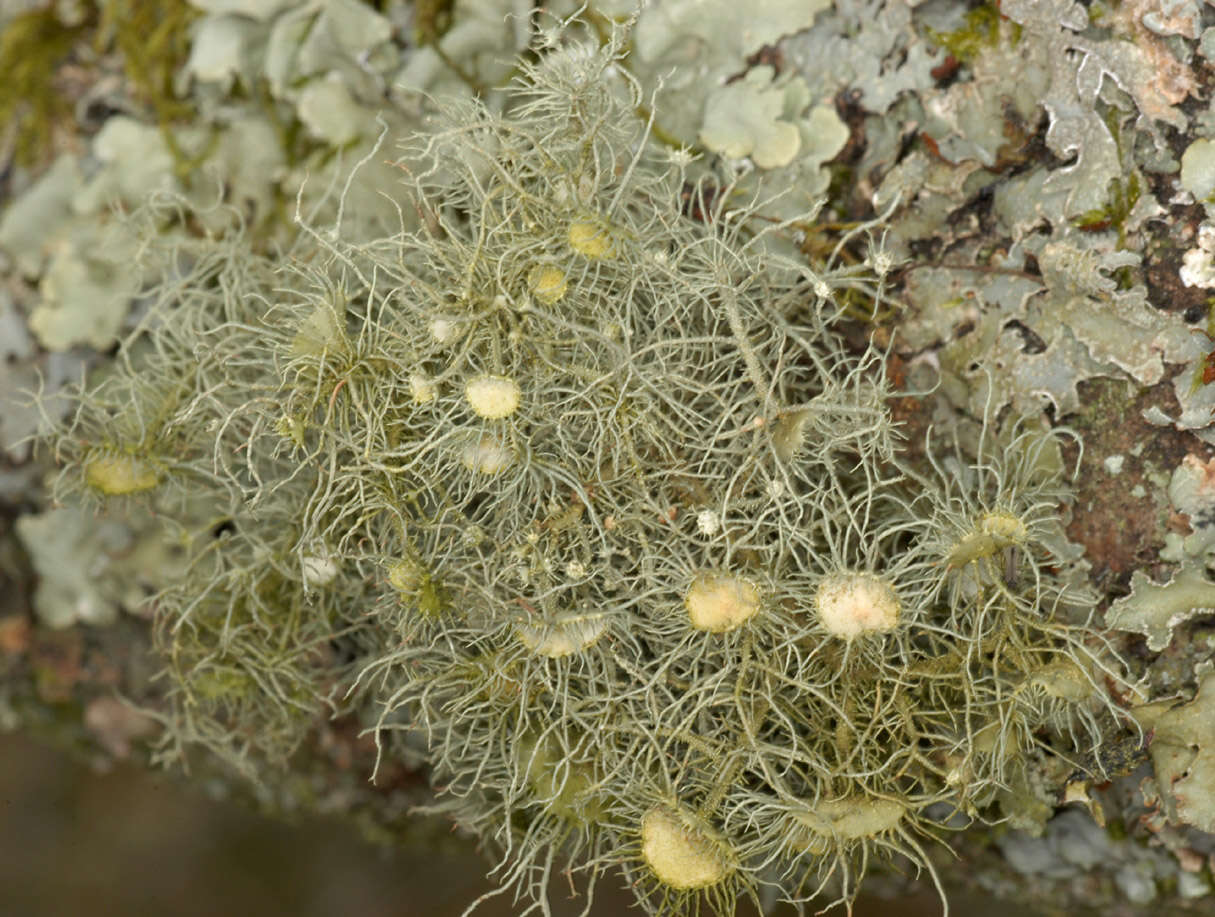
{"x": 576, "y": 479}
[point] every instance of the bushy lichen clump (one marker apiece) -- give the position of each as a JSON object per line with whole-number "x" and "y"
{"x": 578, "y": 481}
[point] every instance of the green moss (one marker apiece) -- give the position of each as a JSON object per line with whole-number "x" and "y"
{"x": 32, "y": 47}
{"x": 152, "y": 38}
{"x": 1122, "y": 194}
{"x": 980, "y": 32}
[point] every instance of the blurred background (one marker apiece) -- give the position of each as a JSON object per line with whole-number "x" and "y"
{"x": 131, "y": 841}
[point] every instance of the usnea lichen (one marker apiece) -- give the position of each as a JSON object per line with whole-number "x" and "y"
{"x": 576, "y": 477}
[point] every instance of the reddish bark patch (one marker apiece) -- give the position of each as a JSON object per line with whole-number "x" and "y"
{"x": 1121, "y": 518}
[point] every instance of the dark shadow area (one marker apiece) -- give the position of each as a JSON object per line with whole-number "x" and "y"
{"x": 134, "y": 842}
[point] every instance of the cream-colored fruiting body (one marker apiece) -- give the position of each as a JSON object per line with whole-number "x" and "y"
{"x": 1065, "y": 679}
{"x": 994, "y": 532}
{"x": 680, "y": 854}
{"x": 563, "y": 785}
{"x": 547, "y": 283}
{"x": 590, "y": 239}
{"x": 851, "y": 604}
{"x": 563, "y": 638}
{"x": 789, "y": 434}
{"x": 444, "y": 330}
{"x": 404, "y": 576}
{"x": 708, "y": 522}
{"x": 422, "y": 388}
{"x": 847, "y": 819}
{"x": 1004, "y": 526}
{"x": 718, "y": 602}
{"x": 485, "y": 455}
{"x": 319, "y": 568}
{"x": 492, "y": 397}
{"x": 116, "y": 475}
